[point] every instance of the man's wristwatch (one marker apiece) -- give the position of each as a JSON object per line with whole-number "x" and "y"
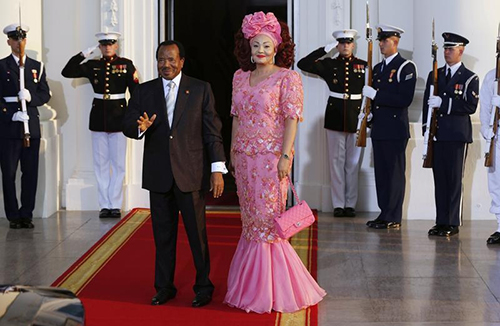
{"x": 285, "y": 156}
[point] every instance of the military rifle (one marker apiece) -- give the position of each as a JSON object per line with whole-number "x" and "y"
{"x": 366, "y": 103}
{"x": 26, "y": 125}
{"x": 431, "y": 123}
{"x": 490, "y": 143}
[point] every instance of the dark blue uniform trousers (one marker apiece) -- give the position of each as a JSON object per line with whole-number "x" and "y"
{"x": 447, "y": 168}
{"x": 390, "y": 163}
{"x": 13, "y": 152}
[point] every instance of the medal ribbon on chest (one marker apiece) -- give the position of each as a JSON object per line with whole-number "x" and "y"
{"x": 393, "y": 71}
{"x": 459, "y": 89}
{"x": 35, "y": 75}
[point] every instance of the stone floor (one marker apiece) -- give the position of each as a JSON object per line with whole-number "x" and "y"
{"x": 373, "y": 277}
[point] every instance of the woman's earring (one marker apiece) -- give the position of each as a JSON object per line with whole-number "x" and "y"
{"x": 274, "y": 59}
{"x": 252, "y": 60}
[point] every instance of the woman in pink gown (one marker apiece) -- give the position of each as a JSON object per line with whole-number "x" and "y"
{"x": 266, "y": 273}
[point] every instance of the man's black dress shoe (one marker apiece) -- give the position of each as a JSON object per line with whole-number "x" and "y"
{"x": 435, "y": 230}
{"x": 104, "y": 213}
{"x": 115, "y": 212}
{"x": 385, "y": 225}
{"x": 201, "y": 300}
{"x": 338, "y": 212}
{"x": 15, "y": 225}
{"x": 27, "y": 224}
{"x": 162, "y": 297}
{"x": 370, "y": 223}
{"x": 494, "y": 238}
{"x": 448, "y": 230}
{"x": 349, "y": 212}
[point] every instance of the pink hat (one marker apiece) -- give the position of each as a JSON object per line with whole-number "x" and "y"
{"x": 260, "y": 23}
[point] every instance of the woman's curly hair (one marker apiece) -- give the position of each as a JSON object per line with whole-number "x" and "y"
{"x": 284, "y": 55}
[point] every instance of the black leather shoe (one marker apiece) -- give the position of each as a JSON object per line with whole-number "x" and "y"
{"x": 385, "y": 225}
{"x": 162, "y": 297}
{"x": 27, "y": 225}
{"x": 15, "y": 225}
{"x": 435, "y": 230}
{"x": 370, "y": 223}
{"x": 115, "y": 212}
{"x": 201, "y": 300}
{"x": 448, "y": 230}
{"x": 338, "y": 212}
{"x": 494, "y": 238}
{"x": 349, "y": 212}
{"x": 104, "y": 213}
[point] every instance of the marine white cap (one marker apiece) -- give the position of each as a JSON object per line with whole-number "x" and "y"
{"x": 345, "y": 35}
{"x": 108, "y": 37}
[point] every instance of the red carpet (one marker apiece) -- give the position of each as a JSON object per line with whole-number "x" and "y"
{"x": 114, "y": 279}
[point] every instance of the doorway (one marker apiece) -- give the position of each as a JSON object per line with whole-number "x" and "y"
{"x": 206, "y": 28}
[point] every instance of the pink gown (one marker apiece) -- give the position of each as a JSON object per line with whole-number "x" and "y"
{"x": 266, "y": 273}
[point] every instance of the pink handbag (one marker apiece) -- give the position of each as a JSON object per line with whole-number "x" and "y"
{"x": 295, "y": 219}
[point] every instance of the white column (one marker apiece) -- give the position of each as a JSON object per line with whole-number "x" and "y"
{"x": 479, "y": 56}
{"x": 314, "y": 23}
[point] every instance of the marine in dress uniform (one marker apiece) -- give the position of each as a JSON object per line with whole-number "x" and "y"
{"x": 12, "y": 151}
{"x": 392, "y": 90}
{"x": 110, "y": 77}
{"x": 458, "y": 96}
{"x": 489, "y": 98}
{"x": 345, "y": 77}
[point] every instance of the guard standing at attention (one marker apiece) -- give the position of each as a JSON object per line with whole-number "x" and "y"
{"x": 110, "y": 77}
{"x": 458, "y": 96}
{"x": 17, "y": 124}
{"x": 392, "y": 91}
{"x": 345, "y": 77}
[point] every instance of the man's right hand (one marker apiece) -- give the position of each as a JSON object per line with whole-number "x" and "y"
{"x": 330, "y": 46}
{"x": 89, "y": 51}
{"x": 145, "y": 122}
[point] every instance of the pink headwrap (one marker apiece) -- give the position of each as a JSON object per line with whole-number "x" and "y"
{"x": 260, "y": 23}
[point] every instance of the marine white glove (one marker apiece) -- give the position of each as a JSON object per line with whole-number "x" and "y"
{"x": 434, "y": 101}
{"x": 361, "y": 116}
{"x": 330, "y": 46}
{"x": 89, "y": 51}
{"x": 24, "y": 94}
{"x": 369, "y": 92}
{"x": 20, "y": 116}
{"x": 487, "y": 133}
{"x": 495, "y": 100}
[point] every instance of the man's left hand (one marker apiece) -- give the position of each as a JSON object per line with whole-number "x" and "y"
{"x": 216, "y": 184}
{"x": 24, "y": 94}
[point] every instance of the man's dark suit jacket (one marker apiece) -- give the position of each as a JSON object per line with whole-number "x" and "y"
{"x": 184, "y": 152}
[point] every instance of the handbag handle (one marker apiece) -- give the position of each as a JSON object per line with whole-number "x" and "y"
{"x": 290, "y": 184}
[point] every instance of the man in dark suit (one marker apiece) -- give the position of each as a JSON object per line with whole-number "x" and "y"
{"x": 345, "y": 77}
{"x": 35, "y": 93}
{"x": 392, "y": 91}
{"x": 457, "y": 99}
{"x": 183, "y": 157}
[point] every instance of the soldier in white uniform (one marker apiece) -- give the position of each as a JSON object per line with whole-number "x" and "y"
{"x": 345, "y": 77}
{"x": 489, "y": 100}
{"x": 110, "y": 77}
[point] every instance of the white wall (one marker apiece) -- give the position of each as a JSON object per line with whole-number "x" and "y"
{"x": 477, "y": 22}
